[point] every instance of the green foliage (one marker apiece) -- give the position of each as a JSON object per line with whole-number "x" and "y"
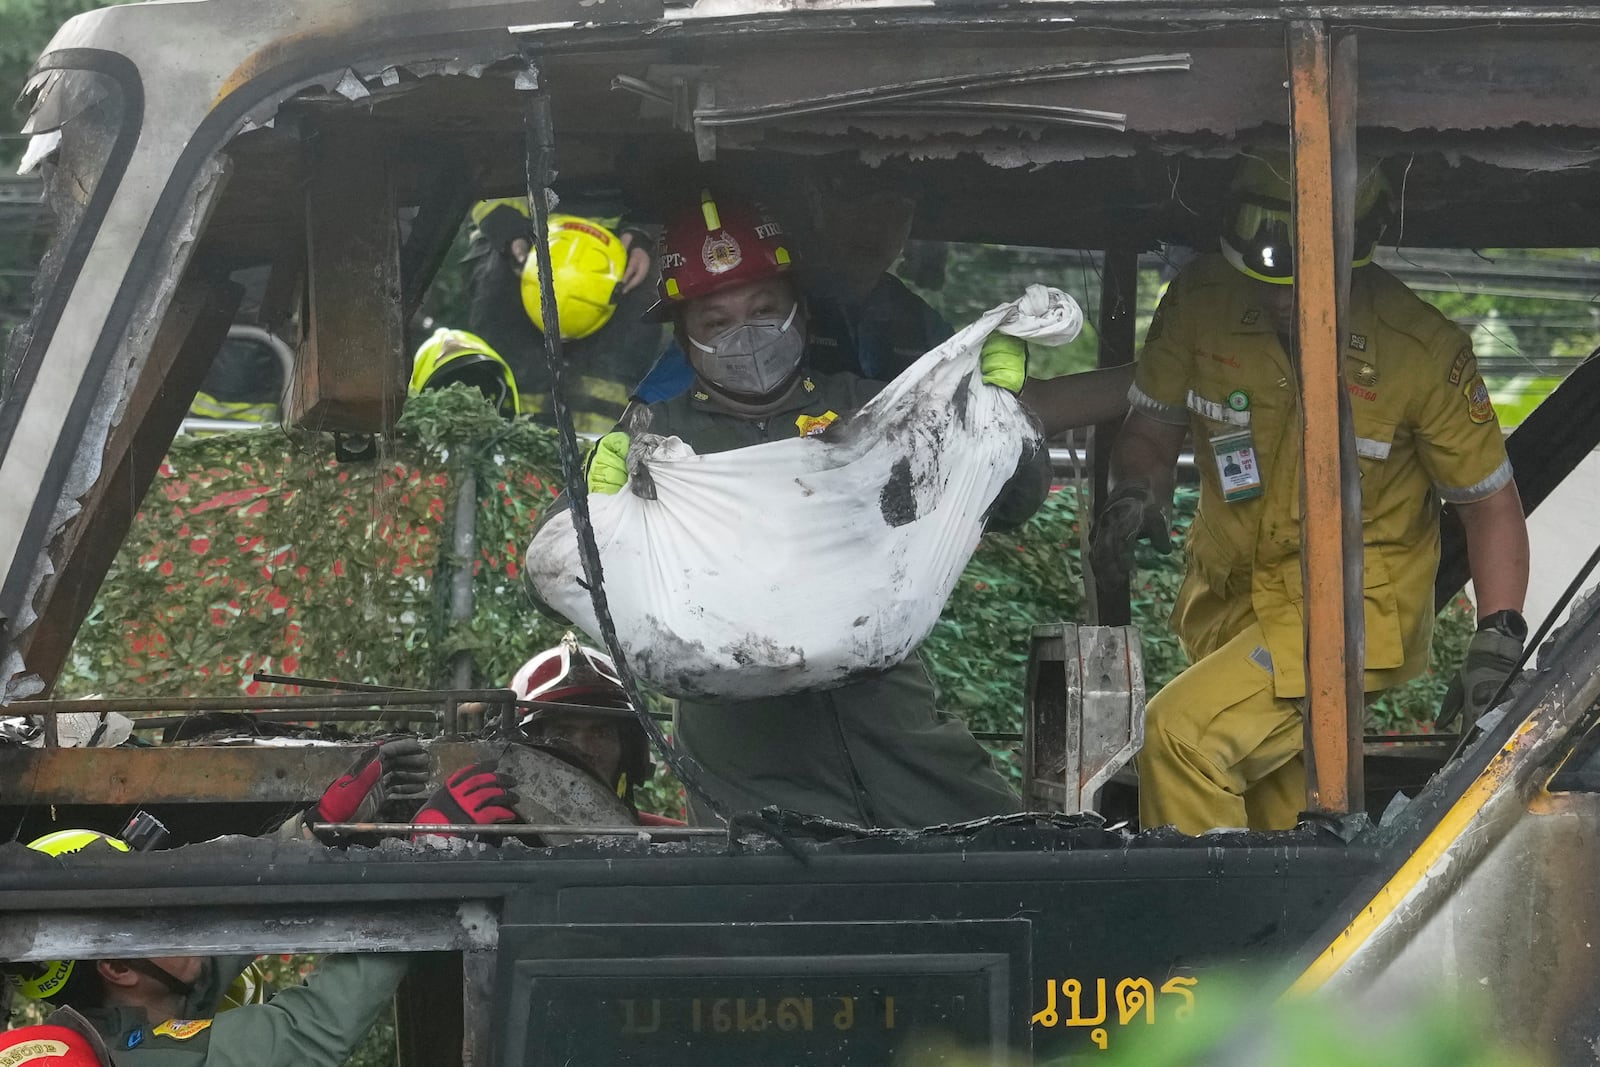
{"x": 256, "y": 551}
{"x": 1233, "y": 1025}
{"x": 253, "y": 551}
{"x": 977, "y": 277}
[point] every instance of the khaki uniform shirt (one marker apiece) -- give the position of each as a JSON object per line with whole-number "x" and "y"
{"x": 1425, "y": 432}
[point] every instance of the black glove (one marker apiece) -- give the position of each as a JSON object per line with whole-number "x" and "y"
{"x": 503, "y": 225}
{"x": 1491, "y": 656}
{"x": 396, "y": 771}
{"x": 1131, "y": 512}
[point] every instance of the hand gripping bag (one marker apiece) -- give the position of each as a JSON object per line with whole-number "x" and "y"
{"x": 803, "y": 563}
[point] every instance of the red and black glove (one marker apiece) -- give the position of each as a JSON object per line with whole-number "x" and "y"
{"x": 478, "y": 794}
{"x": 398, "y": 767}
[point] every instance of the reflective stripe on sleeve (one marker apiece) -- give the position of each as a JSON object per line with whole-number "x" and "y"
{"x": 1145, "y": 404}
{"x": 1498, "y": 479}
{"x": 1210, "y": 409}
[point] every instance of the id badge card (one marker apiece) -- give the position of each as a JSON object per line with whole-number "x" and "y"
{"x": 1236, "y": 466}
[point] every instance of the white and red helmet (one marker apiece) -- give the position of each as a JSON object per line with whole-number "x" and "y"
{"x": 716, "y": 245}
{"x": 584, "y": 680}
{"x": 571, "y": 673}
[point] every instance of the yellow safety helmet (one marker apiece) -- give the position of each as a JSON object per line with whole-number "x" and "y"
{"x": 587, "y": 262}
{"x": 1258, "y": 237}
{"x": 451, "y": 356}
{"x": 44, "y": 980}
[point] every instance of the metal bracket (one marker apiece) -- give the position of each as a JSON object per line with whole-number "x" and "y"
{"x": 355, "y": 447}
{"x": 1085, "y": 713}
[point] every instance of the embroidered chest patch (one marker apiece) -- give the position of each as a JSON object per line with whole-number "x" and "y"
{"x": 812, "y": 425}
{"x": 181, "y": 1029}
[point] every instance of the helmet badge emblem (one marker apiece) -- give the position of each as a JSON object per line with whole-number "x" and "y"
{"x": 720, "y": 253}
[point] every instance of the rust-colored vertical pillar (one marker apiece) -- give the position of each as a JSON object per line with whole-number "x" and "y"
{"x": 1322, "y": 95}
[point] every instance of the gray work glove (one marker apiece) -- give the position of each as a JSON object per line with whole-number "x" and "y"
{"x": 1131, "y": 513}
{"x": 1491, "y": 657}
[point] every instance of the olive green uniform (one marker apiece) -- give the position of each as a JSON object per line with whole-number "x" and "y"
{"x": 875, "y": 752}
{"x": 318, "y": 1024}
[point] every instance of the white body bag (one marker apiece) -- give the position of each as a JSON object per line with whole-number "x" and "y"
{"x": 802, "y": 563}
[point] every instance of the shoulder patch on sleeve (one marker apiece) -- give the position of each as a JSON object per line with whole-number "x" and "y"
{"x": 1464, "y": 368}
{"x": 180, "y": 1029}
{"x": 1480, "y": 408}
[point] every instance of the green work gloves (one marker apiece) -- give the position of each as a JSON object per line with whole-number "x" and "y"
{"x": 608, "y": 464}
{"x": 1131, "y": 512}
{"x": 1004, "y": 362}
{"x": 1492, "y": 655}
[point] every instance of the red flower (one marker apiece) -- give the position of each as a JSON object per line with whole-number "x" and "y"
{"x": 200, "y": 545}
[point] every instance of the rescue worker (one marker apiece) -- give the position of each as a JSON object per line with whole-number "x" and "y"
{"x": 245, "y": 384}
{"x": 451, "y": 356}
{"x": 599, "y": 268}
{"x": 875, "y": 752}
{"x": 861, "y": 319}
{"x": 596, "y": 729}
{"x": 164, "y": 1011}
{"x": 1223, "y": 740}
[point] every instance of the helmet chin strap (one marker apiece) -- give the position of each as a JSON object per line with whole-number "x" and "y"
{"x": 172, "y": 982}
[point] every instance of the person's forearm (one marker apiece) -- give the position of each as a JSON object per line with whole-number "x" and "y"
{"x": 1074, "y": 400}
{"x": 1147, "y": 452}
{"x": 1497, "y": 550}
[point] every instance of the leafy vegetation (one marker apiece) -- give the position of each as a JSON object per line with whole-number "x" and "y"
{"x": 255, "y": 551}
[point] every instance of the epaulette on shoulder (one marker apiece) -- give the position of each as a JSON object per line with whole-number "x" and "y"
{"x": 1403, "y": 312}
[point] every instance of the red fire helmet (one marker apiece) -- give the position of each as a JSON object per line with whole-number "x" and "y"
{"x": 716, "y": 245}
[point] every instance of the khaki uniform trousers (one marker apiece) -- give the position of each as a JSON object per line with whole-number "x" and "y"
{"x": 1221, "y": 749}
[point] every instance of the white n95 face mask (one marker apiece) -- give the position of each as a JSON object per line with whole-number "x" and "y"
{"x": 753, "y": 358}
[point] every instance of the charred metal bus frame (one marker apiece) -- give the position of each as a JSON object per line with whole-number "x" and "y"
{"x": 1037, "y": 933}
